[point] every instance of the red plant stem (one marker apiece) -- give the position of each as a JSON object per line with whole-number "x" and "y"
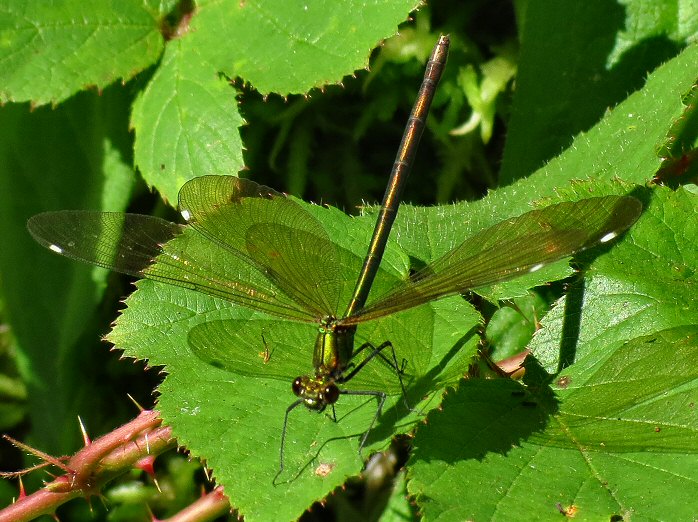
{"x": 42, "y": 502}
{"x": 208, "y": 507}
{"x": 98, "y": 449}
{"x": 94, "y": 465}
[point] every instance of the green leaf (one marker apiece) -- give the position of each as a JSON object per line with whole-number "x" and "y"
{"x": 511, "y": 327}
{"x": 49, "y": 161}
{"x": 616, "y": 438}
{"x": 233, "y": 419}
{"x": 250, "y": 354}
{"x": 187, "y": 120}
{"x": 621, "y": 418}
{"x": 577, "y": 60}
{"x": 646, "y": 286}
{"x": 319, "y": 44}
{"x": 51, "y": 50}
{"x": 667, "y": 23}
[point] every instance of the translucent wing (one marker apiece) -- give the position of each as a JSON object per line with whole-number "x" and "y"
{"x": 253, "y": 348}
{"x": 270, "y": 231}
{"x": 150, "y": 247}
{"x": 275, "y": 350}
{"x": 511, "y": 248}
{"x": 126, "y": 243}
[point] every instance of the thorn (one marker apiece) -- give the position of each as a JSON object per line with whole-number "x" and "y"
{"x": 48, "y": 459}
{"x": 147, "y": 464}
{"x": 22, "y": 491}
{"x": 140, "y": 408}
{"x": 20, "y": 473}
{"x": 85, "y": 437}
{"x": 89, "y": 503}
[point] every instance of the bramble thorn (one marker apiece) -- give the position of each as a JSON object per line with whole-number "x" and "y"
{"x": 48, "y": 459}
{"x": 22, "y": 491}
{"x": 146, "y": 464}
{"x": 85, "y": 437}
{"x": 134, "y": 401}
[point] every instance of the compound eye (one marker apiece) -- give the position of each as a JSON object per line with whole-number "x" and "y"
{"x": 297, "y": 386}
{"x": 330, "y": 394}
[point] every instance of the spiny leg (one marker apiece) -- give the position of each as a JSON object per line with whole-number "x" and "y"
{"x": 283, "y": 438}
{"x": 381, "y": 396}
{"x": 399, "y": 368}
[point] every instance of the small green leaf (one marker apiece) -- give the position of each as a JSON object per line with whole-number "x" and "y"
{"x": 511, "y": 327}
{"x": 320, "y": 42}
{"x": 187, "y": 123}
{"x": 51, "y": 50}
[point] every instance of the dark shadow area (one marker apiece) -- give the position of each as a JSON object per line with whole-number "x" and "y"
{"x": 574, "y": 300}
{"x": 54, "y": 159}
{"x": 485, "y": 416}
{"x": 679, "y": 152}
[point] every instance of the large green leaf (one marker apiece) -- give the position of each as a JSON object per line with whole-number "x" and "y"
{"x": 619, "y": 423}
{"x": 577, "y": 60}
{"x": 233, "y": 418}
{"x": 186, "y": 122}
{"x": 318, "y": 45}
{"x": 48, "y": 162}
{"x": 616, "y": 439}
